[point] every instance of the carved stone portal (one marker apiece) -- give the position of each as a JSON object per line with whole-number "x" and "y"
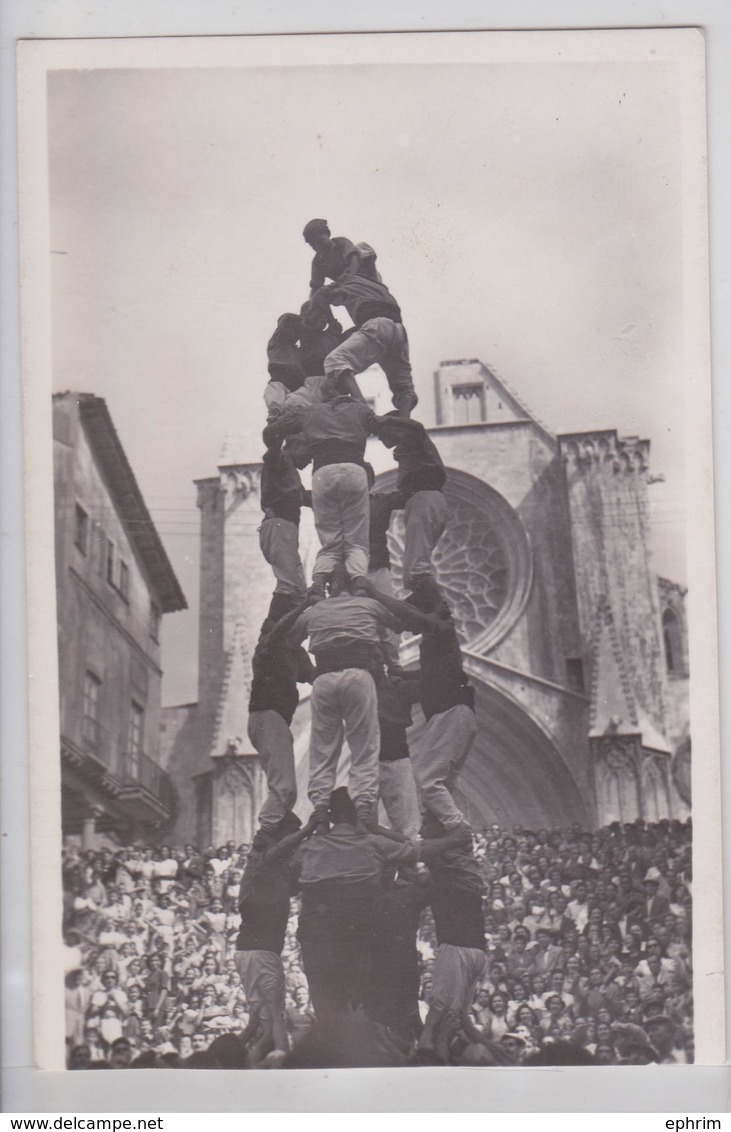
{"x": 238, "y": 790}
{"x": 630, "y": 782}
{"x": 616, "y": 776}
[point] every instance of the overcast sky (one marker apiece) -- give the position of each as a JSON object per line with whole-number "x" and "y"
{"x": 528, "y": 215}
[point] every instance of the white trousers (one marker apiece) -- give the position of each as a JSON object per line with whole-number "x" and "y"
{"x": 444, "y": 746}
{"x": 456, "y": 973}
{"x": 344, "y": 706}
{"x": 341, "y": 508}
{"x": 262, "y": 976}
{"x": 275, "y": 394}
{"x": 399, "y": 797}
{"x": 279, "y": 543}
{"x": 378, "y": 340}
{"x": 271, "y": 738}
{"x": 425, "y": 517}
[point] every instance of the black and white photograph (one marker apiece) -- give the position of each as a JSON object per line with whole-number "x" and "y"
{"x": 372, "y": 635}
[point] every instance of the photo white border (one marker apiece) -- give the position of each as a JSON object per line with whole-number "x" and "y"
{"x": 39, "y": 532}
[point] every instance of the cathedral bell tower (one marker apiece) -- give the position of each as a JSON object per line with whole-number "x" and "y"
{"x": 620, "y": 625}
{"x": 235, "y": 584}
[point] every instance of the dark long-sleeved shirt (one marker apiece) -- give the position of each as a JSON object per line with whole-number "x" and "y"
{"x": 420, "y": 466}
{"x": 284, "y": 359}
{"x": 443, "y": 682}
{"x": 394, "y": 716}
{"x": 382, "y": 506}
{"x": 456, "y": 900}
{"x": 392, "y": 994}
{"x": 277, "y": 668}
{"x": 316, "y": 344}
{"x": 264, "y": 904}
{"x": 282, "y": 493}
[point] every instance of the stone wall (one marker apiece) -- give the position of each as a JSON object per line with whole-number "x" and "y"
{"x": 104, "y": 628}
{"x": 607, "y": 489}
{"x": 619, "y": 617}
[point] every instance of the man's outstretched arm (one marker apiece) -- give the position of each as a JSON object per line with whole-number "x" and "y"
{"x": 283, "y": 626}
{"x": 289, "y": 423}
{"x": 409, "y": 616}
{"x": 288, "y": 844}
{"x": 321, "y": 299}
{"x": 430, "y": 850}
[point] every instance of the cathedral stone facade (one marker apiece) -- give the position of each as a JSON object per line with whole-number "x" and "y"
{"x": 577, "y": 650}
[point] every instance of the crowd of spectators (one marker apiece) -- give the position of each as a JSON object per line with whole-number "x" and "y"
{"x": 588, "y": 944}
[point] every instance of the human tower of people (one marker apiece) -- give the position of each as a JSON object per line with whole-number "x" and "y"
{"x": 343, "y": 859}
{"x": 418, "y": 944}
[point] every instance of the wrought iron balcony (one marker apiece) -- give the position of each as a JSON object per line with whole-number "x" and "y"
{"x": 131, "y": 790}
{"x": 138, "y": 770}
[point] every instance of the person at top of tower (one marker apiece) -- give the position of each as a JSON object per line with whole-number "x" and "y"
{"x": 421, "y": 479}
{"x": 379, "y": 337}
{"x": 282, "y": 498}
{"x": 447, "y": 700}
{"x": 335, "y": 255}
